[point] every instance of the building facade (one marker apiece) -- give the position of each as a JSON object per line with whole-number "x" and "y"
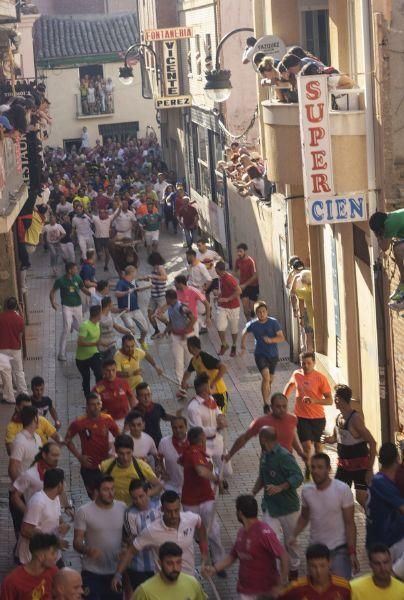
{"x": 73, "y": 54}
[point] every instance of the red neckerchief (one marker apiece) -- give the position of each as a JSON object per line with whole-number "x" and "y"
{"x": 180, "y": 446}
{"x": 42, "y": 468}
{"x": 210, "y": 403}
{"x": 148, "y": 408}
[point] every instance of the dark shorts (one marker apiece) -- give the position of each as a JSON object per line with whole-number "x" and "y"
{"x": 101, "y": 243}
{"x": 310, "y": 430}
{"x": 136, "y": 578}
{"x": 222, "y": 401}
{"x": 265, "y": 362}
{"x": 251, "y": 292}
{"x": 90, "y": 478}
{"x": 98, "y": 587}
{"x": 358, "y": 478}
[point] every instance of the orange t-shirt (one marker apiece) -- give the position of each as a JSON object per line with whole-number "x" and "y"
{"x": 315, "y": 385}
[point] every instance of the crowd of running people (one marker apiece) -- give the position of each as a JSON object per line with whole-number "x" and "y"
{"x": 153, "y": 496}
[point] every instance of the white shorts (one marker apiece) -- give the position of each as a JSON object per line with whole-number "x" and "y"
{"x": 151, "y": 237}
{"x": 135, "y": 318}
{"x": 226, "y": 316}
{"x": 155, "y": 303}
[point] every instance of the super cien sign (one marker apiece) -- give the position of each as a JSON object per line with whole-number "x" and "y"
{"x": 315, "y": 136}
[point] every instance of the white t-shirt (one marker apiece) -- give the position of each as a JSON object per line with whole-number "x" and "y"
{"x": 199, "y": 275}
{"x": 160, "y": 188}
{"x": 24, "y": 448}
{"x": 123, "y": 223}
{"x": 28, "y": 483}
{"x": 101, "y": 226}
{"x": 83, "y": 226}
{"x": 42, "y": 512}
{"x": 144, "y": 446}
{"x": 64, "y": 209}
{"x": 103, "y": 529}
{"x": 326, "y": 519}
{"x": 54, "y": 233}
{"x": 157, "y": 533}
{"x": 174, "y": 471}
{"x": 208, "y": 258}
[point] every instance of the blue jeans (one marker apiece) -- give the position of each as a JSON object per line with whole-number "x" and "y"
{"x": 98, "y": 587}
{"x": 341, "y": 562}
{"x": 190, "y": 236}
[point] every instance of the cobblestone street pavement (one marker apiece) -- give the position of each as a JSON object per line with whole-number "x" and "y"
{"x": 64, "y": 386}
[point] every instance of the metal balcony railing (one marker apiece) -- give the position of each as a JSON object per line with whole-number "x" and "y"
{"x": 102, "y": 107}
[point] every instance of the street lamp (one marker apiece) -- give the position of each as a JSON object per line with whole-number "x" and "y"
{"x": 126, "y": 72}
{"x": 218, "y": 85}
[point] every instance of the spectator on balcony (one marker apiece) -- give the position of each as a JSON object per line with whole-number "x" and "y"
{"x": 91, "y": 97}
{"x": 258, "y": 57}
{"x": 109, "y": 88}
{"x": 248, "y": 50}
{"x": 84, "y": 96}
{"x": 254, "y": 185}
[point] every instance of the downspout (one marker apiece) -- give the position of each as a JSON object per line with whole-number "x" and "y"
{"x": 370, "y": 155}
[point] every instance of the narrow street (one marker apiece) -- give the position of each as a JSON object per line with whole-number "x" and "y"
{"x": 63, "y": 384}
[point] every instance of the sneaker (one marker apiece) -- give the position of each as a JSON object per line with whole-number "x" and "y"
{"x": 62, "y": 358}
{"x": 222, "y": 574}
{"x": 223, "y": 349}
{"x": 144, "y": 345}
{"x": 233, "y": 351}
{"x": 398, "y": 295}
{"x": 293, "y": 575}
{"x": 155, "y": 335}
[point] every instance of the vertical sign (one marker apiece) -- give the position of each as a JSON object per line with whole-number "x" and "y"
{"x": 170, "y": 57}
{"x": 315, "y": 136}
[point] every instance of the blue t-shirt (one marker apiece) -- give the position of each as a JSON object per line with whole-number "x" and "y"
{"x": 87, "y": 272}
{"x": 384, "y": 522}
{"x": 124, "y": 286}
{"x": 261, "y": 330}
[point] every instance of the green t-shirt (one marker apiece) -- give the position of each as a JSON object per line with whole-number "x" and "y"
{"x": 90, "y": 332}
{"x": 394, "y": 224}
{"x": 185, "y": 588}
{"x": 69, "y": 290}
{"x": 151, "y": 222}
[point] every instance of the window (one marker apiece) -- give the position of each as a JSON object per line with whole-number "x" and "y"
{"x": 316, "y": 35}
{"x": 198, "y": 54}
{"x": 91, "y": 71}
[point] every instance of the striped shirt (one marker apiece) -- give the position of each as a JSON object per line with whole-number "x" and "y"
{"x": 158, "y": 287}
{"x": 134, "y": 522}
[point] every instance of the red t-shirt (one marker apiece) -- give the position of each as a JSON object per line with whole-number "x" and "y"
{"x": 188, "y": 215}
{"x": 195, "y": 489}
{"x": 102, "y": 202}
{"x": 285, "y": 428}
{"x": 247, "y": 269}
{"x": 339, "y": 589}
{"x": 11, "y": 327}
{"x": 115, "y": 396}
{"x": 191, "y": 296}
{"x": 257, "y": 549}
{"x": 314, "y": 385}
{"x": 227, "y": 286}
{"x": 93, "y": 435}
{"x": 20, "y": 585}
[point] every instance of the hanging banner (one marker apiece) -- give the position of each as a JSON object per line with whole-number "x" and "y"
{"x": 315, "y": 137}
{"x": 170, "y": 66}
{"x": 346, "y": 208}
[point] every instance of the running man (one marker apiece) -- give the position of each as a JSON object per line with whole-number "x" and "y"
{"x": 246, "y": 271}
{"x": 356, "y": 446}
{"x": 268, "y": 334}
{"x": 126, "y": 292}
{"x": 228, "y": 309}
{"x": 313, "y": 392}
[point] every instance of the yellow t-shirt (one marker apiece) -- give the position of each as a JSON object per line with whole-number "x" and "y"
{"x": 45, "y": 430}
{"x": 155, "y": 588}
{"x": 363, "y": 588}
{"x": 124, "y": 364}
{"x": 85, "y": 201}
{"x": 123, "y": 477}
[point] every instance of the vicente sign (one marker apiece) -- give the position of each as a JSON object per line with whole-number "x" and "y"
{"x": 170, "y": 33}
{"x": 170, "y": 59}
{"x": 173, "y": 102}
{"x": 270, "y": 45}
{"x": 315, "y": 136}
{"x": 336, "y": 210}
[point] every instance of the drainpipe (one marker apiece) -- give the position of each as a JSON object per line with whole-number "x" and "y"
{"x": 372, "y": 187}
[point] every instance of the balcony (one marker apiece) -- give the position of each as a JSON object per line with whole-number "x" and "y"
{"x": 348, "y": 138}
{"x": 102, "y": 107}
{"x": 8, "y": 11}
{"x": 13, "y": 191}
